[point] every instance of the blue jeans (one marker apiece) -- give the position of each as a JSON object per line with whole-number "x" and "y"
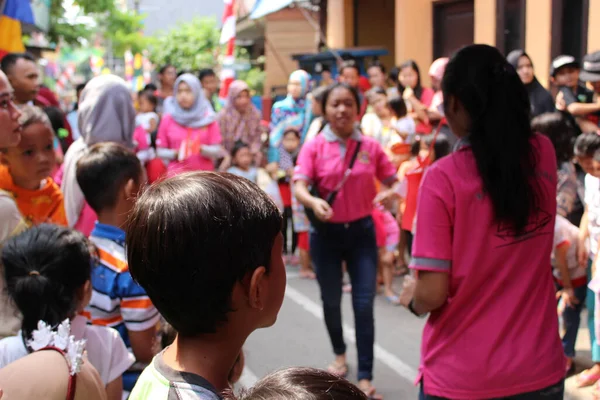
{"x": 571, "y": 319}
{"x": 554, "y": 392}
{"x": 354, "y": 243}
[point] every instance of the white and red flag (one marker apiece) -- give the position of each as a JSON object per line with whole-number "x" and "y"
{"x": 228, "y": 37}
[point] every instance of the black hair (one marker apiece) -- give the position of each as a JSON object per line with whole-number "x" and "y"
{"x": 378, "y": 64}
{"x": 151, "y": 87}
{"x": 339, "y": 85}
{"x": 498, "y": 105}
{"x": 237, "y": 146}
{"x": 9, "y": 61}
{"x": 148, "y": 95}
{"x": 44, "y": 267}
{"x": 349, "y": 64}
{"x": 418, "y": 90}
{"x": 398, "y": 106}
{"x": 441, "y": 146}
{"x": 587, "y": 145}
{"x": 102, "y": 172}
{"x": 415, "y": 147}
{"x": 301, "y": 383}
{"x": 164, "y": 68}
{"x": 561, "y": 132}
{"x": 79, "y": 88}
{"x": 56, "y": 117}
{"x": 192, "y": 237}
{"x": 292, "y": 130}
{"x": 206, "y": 73}
{"x": 393, "y": 75}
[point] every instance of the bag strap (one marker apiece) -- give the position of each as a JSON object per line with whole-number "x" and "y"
{"x": 331, "y": 197}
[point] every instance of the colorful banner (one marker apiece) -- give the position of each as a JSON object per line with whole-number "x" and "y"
{"x": 15, "y": 12}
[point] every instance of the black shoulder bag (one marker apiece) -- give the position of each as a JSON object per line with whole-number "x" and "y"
{"x": 330, "y": 199}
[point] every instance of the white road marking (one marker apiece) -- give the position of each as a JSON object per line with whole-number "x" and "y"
{"x": 394, "y": 363}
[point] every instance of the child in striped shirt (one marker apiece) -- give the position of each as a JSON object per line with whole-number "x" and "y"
{"x": 110, "y": 177}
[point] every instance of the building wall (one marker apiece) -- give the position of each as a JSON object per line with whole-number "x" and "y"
{"x": 287, "y": 32}
{"x": 594, "y": 26}
{"x": 380, "y": 12}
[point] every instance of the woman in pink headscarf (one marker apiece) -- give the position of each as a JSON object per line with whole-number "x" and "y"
{"x": 435, "y": 112}
{"x": 240, "y": 120}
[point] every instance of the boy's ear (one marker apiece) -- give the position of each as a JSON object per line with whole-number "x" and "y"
{"x": 130, "y": 190}
{"x": 257, "y": 289}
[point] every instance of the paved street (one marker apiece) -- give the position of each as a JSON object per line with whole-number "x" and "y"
{"x": 299, "y": 339}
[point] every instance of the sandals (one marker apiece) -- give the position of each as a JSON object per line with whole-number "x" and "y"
{"x": 337, "y": 369}
{"x": 587, "y": 378}
{"x": 393, "y": 300}
{"x": 307, "y": 274}
{"x": 371, "y": 392}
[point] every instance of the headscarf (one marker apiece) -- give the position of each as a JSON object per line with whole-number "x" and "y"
{"x": 106, "y": 114}
{"x": 236, "y": 126}
{"x": 541, "y": 101}
{"x": 200, "y": 114}
{"x": 290, "y": 112}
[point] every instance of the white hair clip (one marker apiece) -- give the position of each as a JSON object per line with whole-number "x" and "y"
{"x": 44, "y": 337}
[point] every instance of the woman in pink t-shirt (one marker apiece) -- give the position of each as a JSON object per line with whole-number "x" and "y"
{"x": 484, "y": 234}
{"x": 346, "y": 232}
{"x": 416, "y": 96}
{"x": 188, "y": 137}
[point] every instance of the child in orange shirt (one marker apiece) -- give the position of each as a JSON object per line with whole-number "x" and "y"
{"x": 25, "y": 171}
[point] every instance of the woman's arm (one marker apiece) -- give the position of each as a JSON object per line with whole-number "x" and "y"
{"x": 431, "y": 291}
{"x": 320, "y": 207}
{"x": 214, "y": 151}
{"x": 582, "y": 253}
{"x": 114, "y": 389}
{"x": 163, "y": 149}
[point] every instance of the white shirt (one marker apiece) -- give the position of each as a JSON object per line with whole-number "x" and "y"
{"x": 145, "y": 118}
{"x": 592, "y": 202}
{"x": 567, "y": 234}
{"x": 104, "y": 346}
{"x": 407, "y": 125}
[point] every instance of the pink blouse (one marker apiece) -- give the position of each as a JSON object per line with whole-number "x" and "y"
{"x": 171, "y": 136}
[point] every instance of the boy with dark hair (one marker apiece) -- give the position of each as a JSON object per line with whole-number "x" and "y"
{"x": 574, "y": 97}
{"x": 210, "y": 84}
{"x": 23, "y": 74}
{"x": 110, "y": 177}
{"x": 207, "y": 248}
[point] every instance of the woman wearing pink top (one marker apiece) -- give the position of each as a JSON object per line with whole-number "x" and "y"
{"x": 416, "y": 96}
{"x": 346, "y": 232}
{"x": 484, "y": 235}
{"x": 188, "y": 137}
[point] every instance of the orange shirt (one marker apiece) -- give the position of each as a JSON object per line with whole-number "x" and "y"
{"x": 36, "y": 206}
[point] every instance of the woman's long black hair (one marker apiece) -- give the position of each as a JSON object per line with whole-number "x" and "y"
{"x": 44, "y": 267}
{"x": 498, "y": 105}
{"x": 413, "y": 65}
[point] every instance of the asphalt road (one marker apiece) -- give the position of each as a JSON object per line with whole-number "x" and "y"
{"x": 299, "y": 338}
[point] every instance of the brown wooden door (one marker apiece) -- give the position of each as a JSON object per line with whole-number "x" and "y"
{"x": 453, "y": 27}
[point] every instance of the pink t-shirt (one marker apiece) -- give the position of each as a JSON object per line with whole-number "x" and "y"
{"x": 324, "y": 160}
{"x": 426, "y": 99}
{"x": 497, "y": 335}
{"x": 171, "y": 135}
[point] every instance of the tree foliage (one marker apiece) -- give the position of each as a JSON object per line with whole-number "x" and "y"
{"x": 121, "y": 28}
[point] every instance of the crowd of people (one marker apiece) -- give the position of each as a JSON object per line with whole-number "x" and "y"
{"x": 145, "y": 237}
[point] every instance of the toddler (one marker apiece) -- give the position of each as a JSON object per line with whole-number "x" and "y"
{"x": 241, "y": 159}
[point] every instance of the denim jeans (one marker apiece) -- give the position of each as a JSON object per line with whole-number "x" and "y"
{"x": 354, "y": 243}
{"x": 571, "y": 319}
{"x": 553, "y": 392}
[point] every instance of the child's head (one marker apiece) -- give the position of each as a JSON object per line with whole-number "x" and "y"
{"x": 409, "y": 76}
{"x": 350, "y": 73}
{"x": 291, "y": 140}
{"x": 565, "y": 71}
{"x": 441, "y": 147}
{"x": 110, "y": 177}
{"x": 377, "y": 76}
{"x": 587, "y": 147}
{"x": 207, "y": 248}
{"x": 561, "y": 129}
{"x": 397, "y": 106}
{"x": 241, "y": 156}
{"x": 147, "y": 101}
{"x": 378, "y": 100}
{"x": 208, "y": 80}
{"x": 301, "y": 383}
{"x": 34, "y": 158}
{"x": 316, "y": 98}
{"x": 591, "y": 70}
{"x": 47, "y": 270}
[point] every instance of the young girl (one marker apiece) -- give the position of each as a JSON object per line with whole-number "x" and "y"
{"x": 144, "y": 136}
{"x": 47, "y": 270}
{"x": 241, "y": 158}
{"x": 188, "y": 137}
{"x": 288, "y": 153}
{"x": 418, "y": 97}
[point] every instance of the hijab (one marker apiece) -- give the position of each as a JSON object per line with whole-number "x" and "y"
{"x": 541, "y": 101}
{"x": 105, "y": 114}
{"x": 237, "y": 126}
{"x": 200, "y": 114}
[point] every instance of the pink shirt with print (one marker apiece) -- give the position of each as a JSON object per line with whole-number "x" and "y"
{"x": 497, "y": 335}
{"x": 324, "y": 160}
{"x": 171, "y": 135}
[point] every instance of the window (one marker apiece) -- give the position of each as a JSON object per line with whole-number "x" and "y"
{"x": 570, "y": 27}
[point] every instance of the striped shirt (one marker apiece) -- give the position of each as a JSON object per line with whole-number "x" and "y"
{"x": 117, "y": 300}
